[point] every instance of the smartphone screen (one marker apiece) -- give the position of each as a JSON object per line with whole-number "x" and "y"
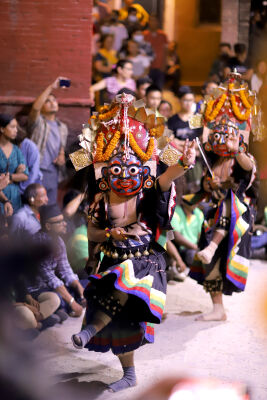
{"x": 64, "y": 82}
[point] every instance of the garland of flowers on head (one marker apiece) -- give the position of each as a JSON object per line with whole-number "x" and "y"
{"x": 245, "y": 100}
{"x": 247, "y": 105}
{"x": 108, "y": 114}
{"x": 144, "y": 156}
{"x": 210, "y": 114}
{"x": 99, "y": 155}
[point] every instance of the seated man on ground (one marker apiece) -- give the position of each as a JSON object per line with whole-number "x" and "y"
{"x": 27, "y": 219}
{"x": 32, "y": 315}
{"x": 186, "y": 223}
{"x": 56, "y": 274}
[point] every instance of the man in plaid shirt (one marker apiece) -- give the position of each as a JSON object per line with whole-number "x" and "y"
{"x": 55, "y": 272}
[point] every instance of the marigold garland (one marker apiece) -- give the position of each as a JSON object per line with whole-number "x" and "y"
{"x": 142, "y": 155}
{"x": 100, "y": 156}
{"x": 108, "y": 114}
{"x": 245, "y": 102}
{"x": 210, "y": 114}
{"x": 244, "y": 99}
{"x": 235, "y": 108}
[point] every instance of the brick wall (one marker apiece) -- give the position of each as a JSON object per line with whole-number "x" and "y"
{"x": 39, "y": 41}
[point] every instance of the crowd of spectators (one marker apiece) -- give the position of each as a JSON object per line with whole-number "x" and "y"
{"x": 131, "y": 54}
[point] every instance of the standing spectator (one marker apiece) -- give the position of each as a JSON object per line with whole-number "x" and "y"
{"x": 207, "y": 89}
{"x": 122, "y": 79}
{"x": 27, "y": 219}
{"x": 50, "y": 135}
{"x": 240, "y": 62}
{"x": 55, "y": 271}
{"x": 179, "y": 124}
{"x": 115, "y": 28}
{"x": 153, "y": 97}
{"x": 100, "y": 13}
{"x": 139, "y": 61}
{"x": 32, "y": 158}
{"x": 105, "y": 59}
{"x": 173, "y": 73}
{"x": 141, "y": 14}
{"x": 131, "y": 22}
{"x": 259, "y": 75}
{"x": 144, "y": 47}
{"x": 165, "y": 109}
{"x": 12, "y": 164}
{"x": 216, "y": 71}
{"x": 158, "y": 40}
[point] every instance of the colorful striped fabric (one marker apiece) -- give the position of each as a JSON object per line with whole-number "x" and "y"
{"x": 120, "y": 340}
{"x": 142, "y": 288}
{"x": 237, "y": 266}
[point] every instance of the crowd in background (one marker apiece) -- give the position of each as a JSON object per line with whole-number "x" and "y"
{"x": 130, "y": 53}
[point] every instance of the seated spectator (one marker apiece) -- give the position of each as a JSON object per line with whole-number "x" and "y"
{"x": 153, "y": 97}
{"x": 12, "y": 164}
{"x": 74, "y": 206}
{"x": 78, "y": 248}
{"x": 127, "y": 13}
{"x": 158, "y": 40}
{"x": 140, "y": 62}
{"x": 32, "y": 158}
{"x": 187, "y": 224}
{"x": 259, "y": 239}
{"x": 50, "y": 135}
{"x": 105, "y": 59}
{"x": 27, "y": 219}
{"x": 144, "y": 47}
{"x": 56, "y": 274}
{"x": 121, "y": 79}
{"x": 216, "y": 72}
{"x": 240, "y": 62}
{"x": 259, "y": 76}
{"x": 165, "y": 109}
{"x": 141, "y": 85}
{"x": 32, "y": 315}
{"x": 172, "y": 72}
{"x": 113, "y": 27}
{"x": 207, "y": 89}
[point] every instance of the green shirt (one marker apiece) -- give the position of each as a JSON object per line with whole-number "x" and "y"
{"x": 78, "y": 248}
{"x": 188, "y": 226}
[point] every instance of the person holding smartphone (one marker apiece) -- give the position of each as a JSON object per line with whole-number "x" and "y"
{"x": 50, "y": 135}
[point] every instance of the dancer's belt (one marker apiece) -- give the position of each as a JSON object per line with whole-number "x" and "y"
{"x": 123, "y": 253}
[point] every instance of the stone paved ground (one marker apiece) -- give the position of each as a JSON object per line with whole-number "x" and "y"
{"x": 234, "y": 350}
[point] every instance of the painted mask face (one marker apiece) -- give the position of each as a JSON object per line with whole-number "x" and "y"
{"x": 125, "y": 176}
{"x": 219, "y": 137}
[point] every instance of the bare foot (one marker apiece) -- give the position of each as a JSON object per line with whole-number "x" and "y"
{"x": 217, "y": 314}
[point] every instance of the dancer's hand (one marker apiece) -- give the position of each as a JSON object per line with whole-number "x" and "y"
{"x": 189, "y": 152}
{"x": 232, "y": 142}
{"x": 118, "y": 233}
{"x": 215, "y": 183}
